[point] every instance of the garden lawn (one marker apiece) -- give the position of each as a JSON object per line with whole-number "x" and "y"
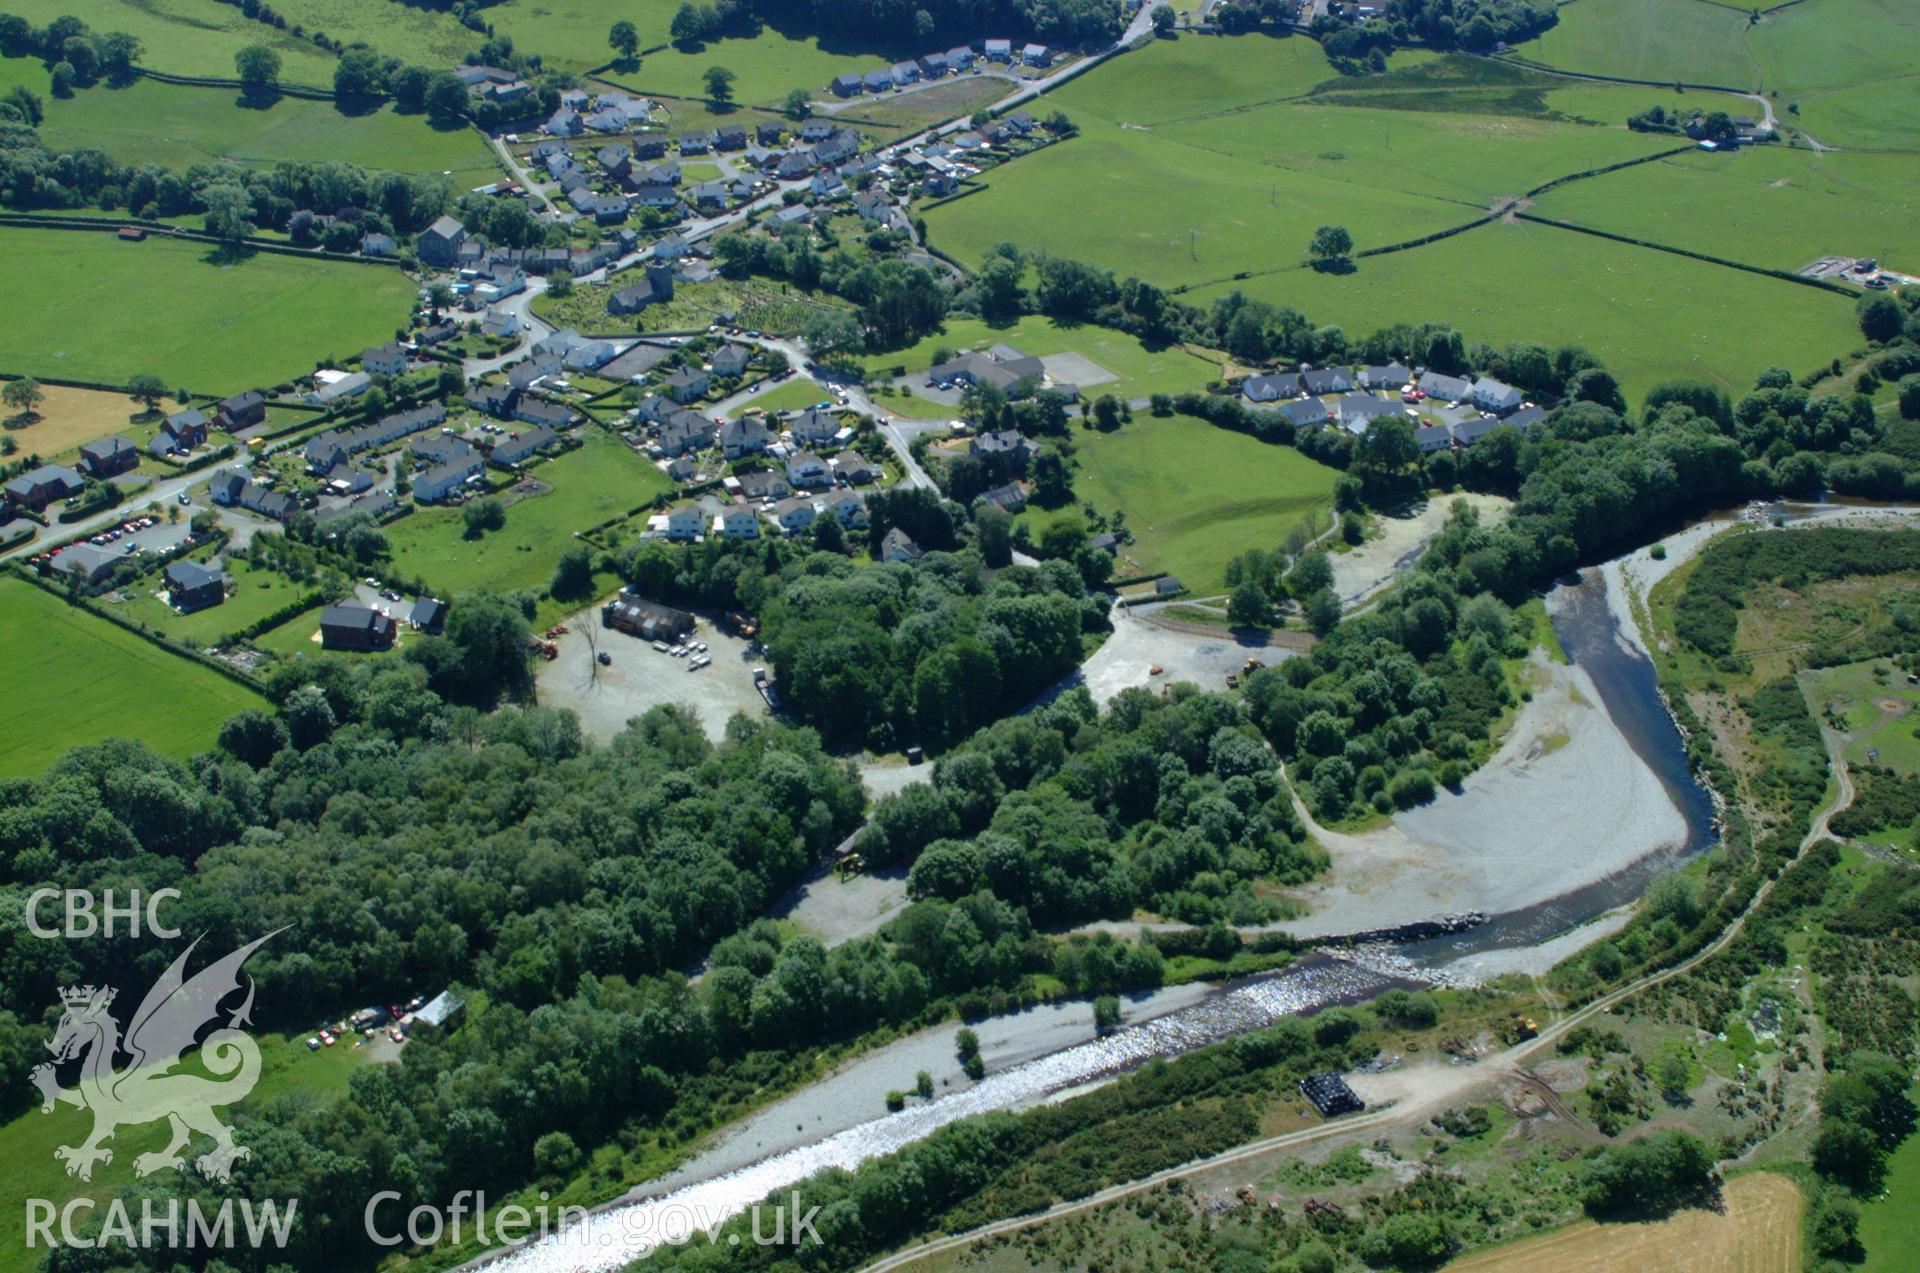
{"x": 1648, "y": 315}
{"x": 1141, "y": 371}
{"x": 189, "y": 37}
{"x": 1668, "y": 41}
{"x": 28, "y": 1168}
{"x": 76, "y": 678}
{"x": 599, "y": 481}
{"x": 1767, "y": 206}
{"x": 253, "y": 594}
{"x": 791, "y": 396}
{"x": 178, "y": 126}
{"x": 107, "y": 311}
{"x": 1176, "y": 212}
{"x": 1194, "y": 495}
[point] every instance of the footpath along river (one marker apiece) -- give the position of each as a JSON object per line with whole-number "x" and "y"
{"x": 1047, "y": 1052}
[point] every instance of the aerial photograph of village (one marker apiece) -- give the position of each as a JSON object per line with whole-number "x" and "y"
{"x": 968, "y": 636}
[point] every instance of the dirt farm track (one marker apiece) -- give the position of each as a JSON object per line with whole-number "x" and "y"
{"x": 1757, "y": 1230}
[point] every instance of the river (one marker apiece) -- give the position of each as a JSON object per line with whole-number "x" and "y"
{"x": 1587, "y": 628}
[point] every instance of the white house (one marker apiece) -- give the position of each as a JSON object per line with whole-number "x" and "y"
{"x": 1493, "y": 396}
{"x": 807, "y": 469}
{"x": 684, "y": 521}
{"x": 738, "y": 521}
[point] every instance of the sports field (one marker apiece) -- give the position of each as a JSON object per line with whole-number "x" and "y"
{"x": 149, "y": 122}
{"x": 590, "y": 485}
{"x": 77, "y": 678}
{"x": 1194, "y": 495}
{"x": 225, "y": 327}
{"x": 1768, "y": 206}
{"x": 1137, "y": 370}
{"x": 1756, "y": 1231}
{"x": 1650, "y": 316}
{"x": 189, "y": 37}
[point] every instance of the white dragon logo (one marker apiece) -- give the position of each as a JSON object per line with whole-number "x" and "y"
{"x": 167, "y": 1024}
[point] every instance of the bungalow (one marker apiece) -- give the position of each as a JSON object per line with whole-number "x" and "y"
{"x": 87, "y": 561}
{"x": 337, "y": 387}
{"x": 352, "y": 627}
{"x": 192, "y": 586}
{"x": 669, "y": 248}
{"x": 1010, "y": 498}
{"x": 730, "y": 137}
{"x": 385, "y": 360}
{"x": 905, "y": 73}
{"x": 1445, "y": 388}
{"x": 896, "y": 544}
{"x": 1327, "y": 380}
{"x": 1496, "y": 397}
{"x": 1391, "y": 376}
{"x": 686, "y": 384}
{"x": 798, "y": 214}
{"x": 520, "y": 446}
{"x": 42, "y": 486}
{"x": 429, "y": 615}
{"x": 795, "y": 514}
{"x": 1037, "y": 55}
{"x": 960, "y": 58}
{"x": 940, "y": 184}
{"x": 1358, "y": 410}
{"x": 1272, "y": 387}
{"x": 442, "y": 480}
{"x": 529, "y": 372}
{"x": 1021, "y": 122}
{"x": 696, "y": 141}
{"x": 1433, "y": 437}
{"x": 848, "y": 509}
{"x": 879, "y": 81}
{"x": 737, "y": 521}
{"x": 108, "y": 456}
{"x": 999, "y": 50}
{"x": 731, "y": 360}
{"x": 743, "y": 437}
{"x": 1526, "y": 419}
{"x": 439, "y": 242}
{"x": 543, "y": 412}
{"x": 684, "y": 521}
{"x": 764, "y": 484}
{"x": 1307, "y": 412}
{"x": 848, "y": 86}
{"x": 377, "y": 244}
{"x": 433, "y": 334}
{"x": 683, "y": 469}
{"x": 814, "y": 427}
{"x": 805, "y": 469}
{"x": 577, "y": 352}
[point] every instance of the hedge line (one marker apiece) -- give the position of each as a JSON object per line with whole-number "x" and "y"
{"x": 1783, "y": 275}
{"x": 111, "y": 225}
{"x": 307, "y": 92}
{"x": 1531, "y": 65}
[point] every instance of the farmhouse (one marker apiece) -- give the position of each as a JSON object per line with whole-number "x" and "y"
{"x": 192, "y": 586}
{"x": 49, "y": 482}
{"x": 1271, "y": 388}
{"x": 108, "y": 456}
{"x": 897, "y": 545}
{"x": 350, "y": 627}
{"x": 440, "y": 242}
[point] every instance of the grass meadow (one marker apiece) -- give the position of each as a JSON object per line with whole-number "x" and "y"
{"x": 28, "y": 1168}
{"x": 1648, "y": 315}
{"x": 1890, "y": 1224}
{"x": 149, "y": 122}
{"x": 189, "y": 37}
{"x": 1141, "y": 371}
{"x": 1664, "y": 40}
{"x": 1192, "y": 76}
{"x": 573, "y": 33}
{"x": 1766, "y": 206}
{"x": 225, "y": 327}
{"x": 598, "y": 481}
{"x": 1194, "y": 495}
{"x": 415, "y": 34}
{"x": 766, "y": 68}
{"x": 90, "y": 679}
{"x": 794, "y": 395}
{"x": 71, "y": 418}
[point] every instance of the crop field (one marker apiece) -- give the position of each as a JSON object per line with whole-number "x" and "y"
{"x": 178, "y": 127}
{"x": 1650, "y": 316}
{"x": 1194, "y": 495}
{"x": 253, "y": 595}
{"x": 1756, "y": 1231}
{"x": 1767, "y": 206}
{"x": 600, "y": 480}
{"x": 227, "y": 327}
{"x": 1668, "y": 41}
{"x": 422, "y": 36}
{"x": 90, "y": 679}
{"x": 189, "y": 37}
{"x": 1140, "y": 371}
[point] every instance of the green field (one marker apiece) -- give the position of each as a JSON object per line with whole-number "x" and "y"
{"x": 1664, "y": 40}
{"x": 77, "y": 679}
{"x": 1890, "y": 1224}
{"x": 1766, "y": 206}
{"x": 1141, "y": 371}
{"x": 1194, "y": 495}
{"x": 590, "y": 485}
{"x": 1879, "y": 708}
{"x": 28, "y": 1168}
{"x": 412, "y": 33}
{"x": 1648, "y": 315}
{"x": 573, "y": 33}
{"x": 252, "y": 596}
{"x": 189, "y": 37}
{"x": 149, "y": 122}
{"x": 767, "y": 67}
{"x": 225, "y": 327}
{"x": 1193, "y": 76}
{"x": 791, "y": 396}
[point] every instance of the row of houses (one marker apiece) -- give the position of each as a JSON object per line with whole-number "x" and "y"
{"x": 607, "y": 113}
{"x": 955, "y": 61}
{"x": 328, "y": 449}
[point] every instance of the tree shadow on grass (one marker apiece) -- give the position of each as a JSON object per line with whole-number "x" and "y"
{"x": 260, "y": 100}
{"x": 226, "y": 254}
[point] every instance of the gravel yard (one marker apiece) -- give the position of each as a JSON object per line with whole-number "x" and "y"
{"x": 640, "y": 677}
